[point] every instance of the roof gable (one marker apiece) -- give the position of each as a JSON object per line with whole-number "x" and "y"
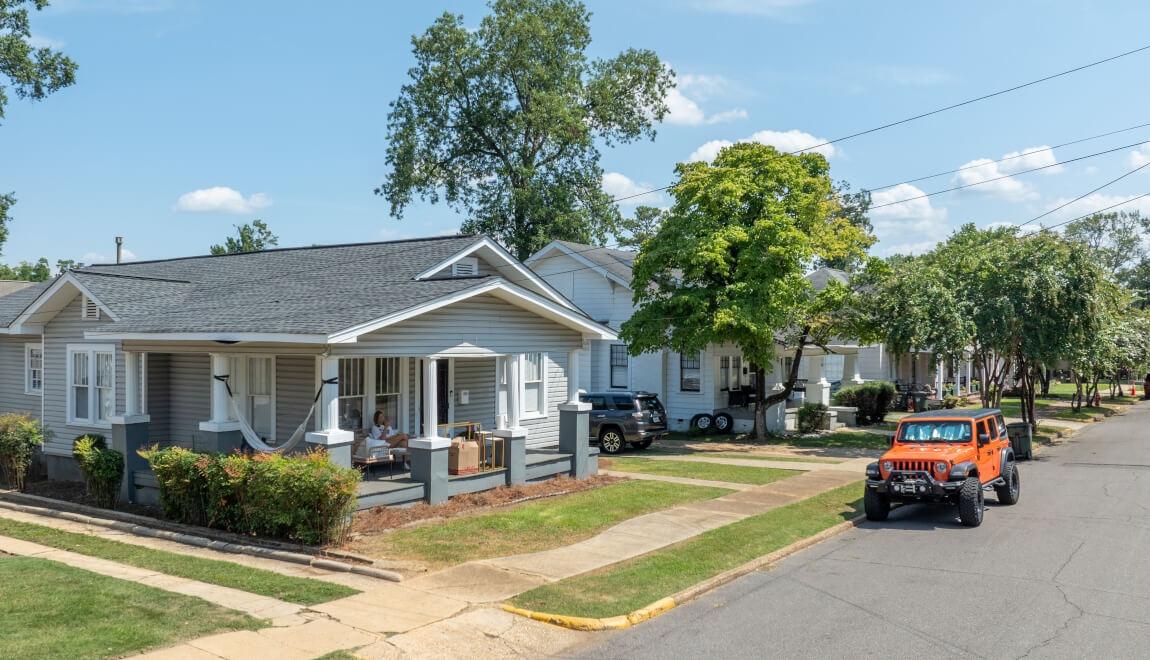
{"x": 615, "y": 265}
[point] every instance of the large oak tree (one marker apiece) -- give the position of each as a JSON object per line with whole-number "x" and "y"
{"x": 502, "y": 122}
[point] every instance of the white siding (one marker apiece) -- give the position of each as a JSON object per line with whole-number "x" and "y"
{"x": 12, "y": 375}
{"x": 682, "y": 406}
{"x": 68, "y": 328}
{"x": 600, "y": 298}
{"x": 482, "y": 326}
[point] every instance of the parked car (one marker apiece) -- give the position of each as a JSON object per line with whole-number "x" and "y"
{"x": 945, "y": 457}
{"x": 619, "y": 418}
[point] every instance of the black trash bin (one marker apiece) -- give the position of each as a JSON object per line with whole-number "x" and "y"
{"x": 919, "y": 401}
{"x": 1021, "y": 440}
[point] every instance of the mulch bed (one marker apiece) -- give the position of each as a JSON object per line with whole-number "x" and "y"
{"x": 73, "y": 491}
{"x": 386, "y": 518}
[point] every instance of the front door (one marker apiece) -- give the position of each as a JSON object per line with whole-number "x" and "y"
{"x": 442, "y": 394}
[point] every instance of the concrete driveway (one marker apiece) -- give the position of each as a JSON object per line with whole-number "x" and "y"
{"x": 1064, "y": 573}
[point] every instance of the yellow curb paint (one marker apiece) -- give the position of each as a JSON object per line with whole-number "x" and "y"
{"x": 651, "y": 611}
{"x": 573, "y": 622}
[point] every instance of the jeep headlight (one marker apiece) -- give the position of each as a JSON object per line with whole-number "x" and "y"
{"x": 942, "y": 467}
{"x": 887, "y": 466}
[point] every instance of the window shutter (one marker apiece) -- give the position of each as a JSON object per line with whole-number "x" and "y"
{"x": 89, "y": 310}
{"x": 465, "y": 267}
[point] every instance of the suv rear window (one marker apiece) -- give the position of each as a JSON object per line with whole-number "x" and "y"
{"x": 935, "y": 432}
{"x": 623, "y": 403}
{"x": 597, "y": 402}
{"x": 650, "y": 403}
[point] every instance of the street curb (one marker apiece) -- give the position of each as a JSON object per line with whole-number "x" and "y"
{"x": 664, "y": 605}
{"x": 211, "y": 544}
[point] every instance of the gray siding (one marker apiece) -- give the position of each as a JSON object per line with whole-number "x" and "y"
{"x": 477, "y": 376}
{"x": 159, "y": 428}
{"x": 295, "y": 391}
{"x": 68, "y": 328}
{"x": 12, "y": 374}
{"x": 480, "y": 326}
{"x": 189, "y": 386}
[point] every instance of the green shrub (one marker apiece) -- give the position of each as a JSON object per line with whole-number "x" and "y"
{"x": 20, "y": 435}
{"x": 812, "y": 417}
{"x": 103, "y": 468}
{"x": 873, "y": 400}
{"x": 949, "y": 402}
{"x": 303, "y": 498}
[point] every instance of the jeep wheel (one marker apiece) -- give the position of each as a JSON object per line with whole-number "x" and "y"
{"x": 642, "y": 444}
{"x": 611, "y": 441}
{"x": 876, "y": 504}
{"x": 970, "y": 502}
{"x": 1008, "y": 492}
{"x": 703, "y": 422}
{"x": 724, "y": 423}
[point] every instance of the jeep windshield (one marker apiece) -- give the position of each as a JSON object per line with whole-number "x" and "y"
{"x": 934, "y": 432}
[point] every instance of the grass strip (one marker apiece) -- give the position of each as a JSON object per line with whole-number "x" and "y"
{"x": 304, "y": 591}
{"x": 531, "y": 526}
{"x": 841, "y": 440}
{"x": 638, "y": 582}
{"x": 50, "y": 610}
{"x": 771, "y": 457}
{"x": 735, "y": 474}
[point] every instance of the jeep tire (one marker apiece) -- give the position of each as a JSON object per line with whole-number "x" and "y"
{"x": 1010, "y": 488}
{"x": 970, "y": 502}
{"x": 611, "y": 441}
{"x": 876, "y": 505}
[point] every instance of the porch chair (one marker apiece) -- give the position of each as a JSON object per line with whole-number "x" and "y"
{"x": 364, "y": 459}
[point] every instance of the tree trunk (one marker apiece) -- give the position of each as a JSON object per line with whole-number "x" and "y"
{"x": 760, "y": 409}
{"x": 765, "y": 402}
{"x": 1076, "y": 399}
{"x": 1045, "y": 373}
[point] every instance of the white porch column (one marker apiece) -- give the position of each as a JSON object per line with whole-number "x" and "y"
{"x": 221, "y": 407}
{"x": 514, "y": 389}
{"x": 430, "y": 399}
{"x": 969, "y": 384}
{"x": 132, "y": 384}
{"x": 939, "y": 376}
{"x": 335, "y": 440}
{"x": 573, "y": 358}
{"x": 850, "y": 368}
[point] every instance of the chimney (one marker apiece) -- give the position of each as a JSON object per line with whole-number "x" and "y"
{"x": 119, "y": 249}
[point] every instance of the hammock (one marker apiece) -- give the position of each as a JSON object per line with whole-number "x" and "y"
{"x": 254, "y": 438}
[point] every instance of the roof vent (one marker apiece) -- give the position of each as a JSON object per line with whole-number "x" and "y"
{"x": 465, "y": 267}
{"x": 89, "y": 310}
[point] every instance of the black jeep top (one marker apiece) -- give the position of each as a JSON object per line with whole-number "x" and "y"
{"x": 956, "y": 413}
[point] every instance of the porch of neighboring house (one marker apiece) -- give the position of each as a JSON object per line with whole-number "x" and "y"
{"x": 498, "y": 419}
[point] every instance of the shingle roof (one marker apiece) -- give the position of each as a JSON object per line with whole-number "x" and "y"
{"x": 15, "y": 296}
{"x": 317, "y": 290}
{"x": 616, "y": 262}
{"x": 821, "y": 276}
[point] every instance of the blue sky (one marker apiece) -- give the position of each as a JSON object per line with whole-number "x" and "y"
{"x": 277, "y": 110}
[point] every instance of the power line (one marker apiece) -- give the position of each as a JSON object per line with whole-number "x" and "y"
{"x": 1086, "y": 194}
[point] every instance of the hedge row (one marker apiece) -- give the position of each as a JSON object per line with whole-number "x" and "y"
{"x": 872, "y": 399}
{"x": 303, "y": 498}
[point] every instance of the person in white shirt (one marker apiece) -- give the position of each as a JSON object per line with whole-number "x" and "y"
{"x": 383, "y": 435}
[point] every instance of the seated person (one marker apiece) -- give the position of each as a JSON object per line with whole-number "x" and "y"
{"x": 383, "y": 435}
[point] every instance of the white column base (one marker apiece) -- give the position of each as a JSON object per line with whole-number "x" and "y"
{"x": 508, "y": 434}
{"x": 857, "y": 380}
{"x": 580, "y": 406}
{"x": 219, "y": 427}
{"x": 429, "y": 444}
{"x": 330, "y": 438}
{"x": 130, "y": 419}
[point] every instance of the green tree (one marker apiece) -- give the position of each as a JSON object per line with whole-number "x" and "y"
{"x": 27, "y": 272}
{"x": 502, "y": 122}
{"x": 249, "y": 238}
{"x": 640, "y": 227}
{"x": 1115, "y": 238}
{"x": 727, "y": 264}
{"x": 31, "y": 72}
{"x": 852, "y": 207}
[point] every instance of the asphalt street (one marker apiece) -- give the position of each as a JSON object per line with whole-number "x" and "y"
{"x": 1065, "y": 573}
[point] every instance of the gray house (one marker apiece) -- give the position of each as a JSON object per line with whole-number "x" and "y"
{"x": 435, "y": 333}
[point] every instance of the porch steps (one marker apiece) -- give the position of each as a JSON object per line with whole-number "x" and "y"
{"x": 385, "y": 492}
{"x": 545, "y": 463}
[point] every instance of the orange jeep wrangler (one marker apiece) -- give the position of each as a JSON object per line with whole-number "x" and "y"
{"x": 944, "y": 457}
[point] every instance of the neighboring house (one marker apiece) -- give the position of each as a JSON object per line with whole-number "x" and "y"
{"x": 598, "y": 280}
{"x": 450, "y": 329}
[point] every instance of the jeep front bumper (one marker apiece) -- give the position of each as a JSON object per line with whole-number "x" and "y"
{"x": 913, "y": 485}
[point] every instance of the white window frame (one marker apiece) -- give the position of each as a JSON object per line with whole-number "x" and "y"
{"x": 542, "y": 413}
{"x": 611, "y": 366}
{"x": 699, "y": 359}
{"x": 92, "y": 350}
{"x": 242, "y": 390}
{"x": 29, "y": 389}
{"x": 365, "y": 384}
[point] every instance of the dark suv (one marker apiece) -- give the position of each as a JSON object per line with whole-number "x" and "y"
{"x": 618, "y": 418}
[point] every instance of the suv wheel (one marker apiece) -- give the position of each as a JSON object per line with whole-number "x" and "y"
{"x": 611, "y": 441}
{"x": 724, "y": 423}
{"x": 642, "y": 444}
{"x": 703, "y": 422}
{"x": 876, "y": 504}
{"x": 1008, "y": 492}
{"x": 970, "y": 502}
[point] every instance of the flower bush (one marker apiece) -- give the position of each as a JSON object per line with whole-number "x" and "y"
{"x": 873, "y": 400}
{"x": 103, "y": 468}
{"x": 811, "y": 417}
{"x": 20, "y": 435}
{"x": 303, "y": 498}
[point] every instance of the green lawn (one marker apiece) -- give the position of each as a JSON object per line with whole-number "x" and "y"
{"x": 304, "y": 591}
{"x": 532, "y": 526}
{"x": 50, "y": 610}
{"x": 770, "y": 457}
{"x": 638, "y": 582}
{"x": 736, "y": 474}
{"x": 841, "y": 440}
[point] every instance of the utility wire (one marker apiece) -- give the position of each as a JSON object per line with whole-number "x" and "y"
{"x": 1086, "y": 194}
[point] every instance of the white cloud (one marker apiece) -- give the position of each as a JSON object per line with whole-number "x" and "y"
{"x": 221, "y": 199}
{"x": 41, "y": 41}
{"x": 769, "y": 8}
{"x": 1140, "y": 156}
{"x": 917, "y": 224}
{"x": 685, "y": 111}
{"x": 620, "y": 185}
{"x": 1093, "y": 204}
{"x": 986, "y": 176}
{"x": 1030, "y": 158}
{"x": 1090, "y": 170}
{"x": 785, "y": 141}
{"x": 99, "y": 258}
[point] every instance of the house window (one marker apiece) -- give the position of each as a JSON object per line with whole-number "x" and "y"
{"x": 259, "y": 386}
{"x": 91, "y": 385}
{"x": 690, "y": 373}
{"x": 534, "y": 385}
{"x": 351, "y": 393}
{"x": 387, "y": 388}
{"x": 736, "y": 381}
{"x": 89, "y": 310}
{"x": 618, "y": 365}
{"x": 33, "y": 369}
{"x": 724, "y": 371}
